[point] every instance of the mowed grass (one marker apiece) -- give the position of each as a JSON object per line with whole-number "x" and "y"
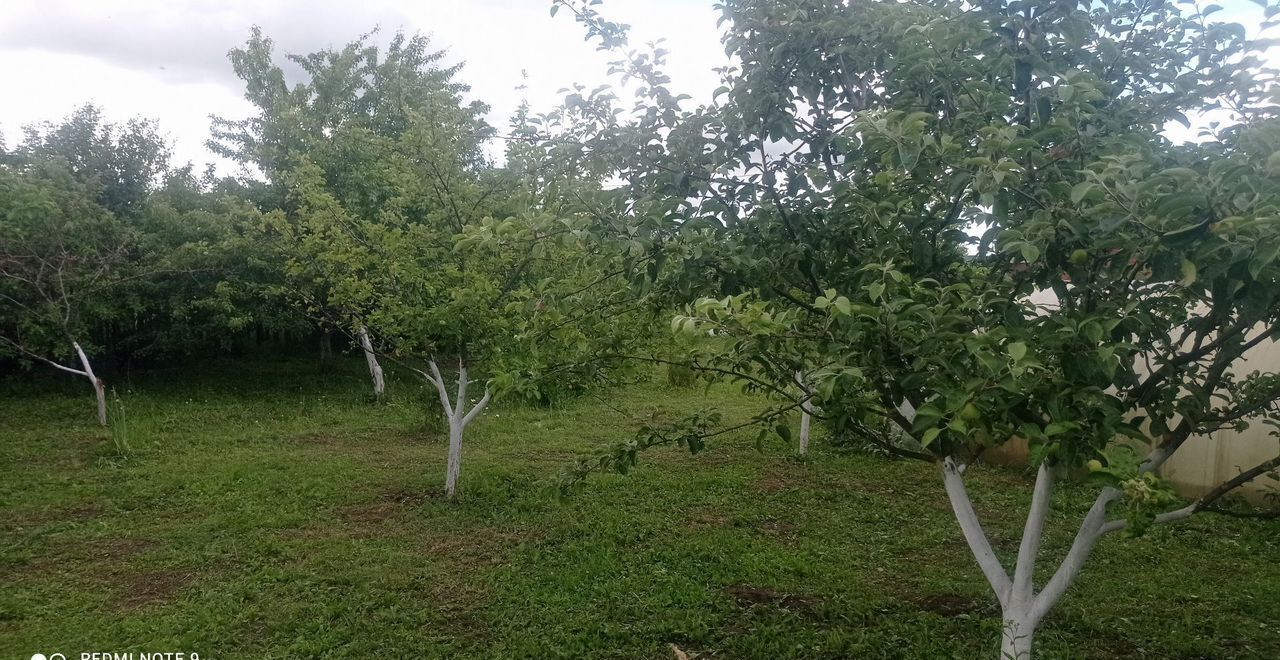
{"x": 264, "y": 510}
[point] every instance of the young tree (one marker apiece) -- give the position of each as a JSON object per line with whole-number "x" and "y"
{"x": 60, "y": 252}
{"x": 884, "y": 188}
{"x": 69, "y": 192}
{"x": 394, "y": 228}
{"x": 491, "y": 294}
{"x": 351, "y": 104}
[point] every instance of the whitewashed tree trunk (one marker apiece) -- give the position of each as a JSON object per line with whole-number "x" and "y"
{"x": 806, "y": 413}
{"x": 99, "y": 386}
{"x": 375, "y": 369}
{"x": 1022, "y": 608}
{"x": 86, "y": 370}
{"x": 1015, "y": 640}
{"x": 458, "y": 416}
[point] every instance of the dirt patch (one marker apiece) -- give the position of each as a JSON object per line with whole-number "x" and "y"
{"x": 74, "y": 513}
{"x": 707, "y": 520}
{"x": 389, "y": 505}
{"x": 779, "y": 478}
{"x": 91, "y": 557}
{"x": 409, "y": 496}
{"x": 778, "y": 529}
{"x": 747, "y": 596}
{"x": 484, "y": 546}
{"x": 117, "y": 550}
{"x": 104, "y": 564}
{"x": 772, "y": 483}
{"x": 948, "y": 604}
{"x": 316, "y": 439}
{"x": 377, "y": 517}
{"x": 81, "y": 511}
{"x": 366, "y": 516}
{"x": 681, "y": 651}
{"x": 147, "y": 588}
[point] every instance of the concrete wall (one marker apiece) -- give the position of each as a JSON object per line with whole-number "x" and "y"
{"x": 1206, "y": 461}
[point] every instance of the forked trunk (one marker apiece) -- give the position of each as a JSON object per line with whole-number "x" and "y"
{"x": 1021, "y": 607}
{"x": 458, "y": 416}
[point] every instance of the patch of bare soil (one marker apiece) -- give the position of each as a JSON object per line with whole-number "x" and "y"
{"x": 380, "y": 516}
{"x": 116, "y": 550}
{"x": 747, "y": 595}
{"x": 151, "y": 587}
{"x": 104, "y": 564}
{"x": 779, "y": 529}
{"x": 948, "y": 604}
{"x": 409, "y": 496}
{"x": 779, "y": 478}
{"x": 92, "y": 557}
{"x": 707, "y": 520}
{"x": 367, "y": 517}
{"x": 679, "y": 651}
{"x": 316, "y": 439}
{"x": 483, "y": 546}
{"x": 37, "y": 518}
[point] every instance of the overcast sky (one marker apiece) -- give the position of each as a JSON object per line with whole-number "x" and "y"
{"x": 167, "y": 60}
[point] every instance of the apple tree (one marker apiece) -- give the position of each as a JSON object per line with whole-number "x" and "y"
{"x": 964, "y": 223}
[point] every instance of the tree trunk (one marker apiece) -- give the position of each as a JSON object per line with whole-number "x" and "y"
{"x": 375, "y": 369}
{"x": 804, "y": 428}
{"x": 1015, "y": 641}
{"x": 805, "y": 416}
{"x": 99, "y": 388}
{"x": 326, "y": 350}
{"x": 459, "y": 417}
{"x": 454, "y": 468}
{"x": 1021, "y": 607}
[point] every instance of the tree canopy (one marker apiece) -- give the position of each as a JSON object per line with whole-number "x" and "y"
{"x": 963, "y": 223}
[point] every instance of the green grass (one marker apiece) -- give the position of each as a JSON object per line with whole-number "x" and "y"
{"x": 267, "y": 511}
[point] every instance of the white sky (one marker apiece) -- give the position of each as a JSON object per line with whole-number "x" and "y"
{"x": 167, "y": 60}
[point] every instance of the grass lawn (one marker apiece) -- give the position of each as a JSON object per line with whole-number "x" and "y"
{"x": 265, "y": 511}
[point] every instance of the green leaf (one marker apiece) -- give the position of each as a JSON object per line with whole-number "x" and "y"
{"x": 1030, "y": 253}
{"x": 929, "y": 436}
{"x": 1263, "y": 256}
{"x": 1080, "y": 190}
{"x": 1188, "y": 272}
{"x": 1017, "y": 351}
{"x": 1056, "y": 428}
